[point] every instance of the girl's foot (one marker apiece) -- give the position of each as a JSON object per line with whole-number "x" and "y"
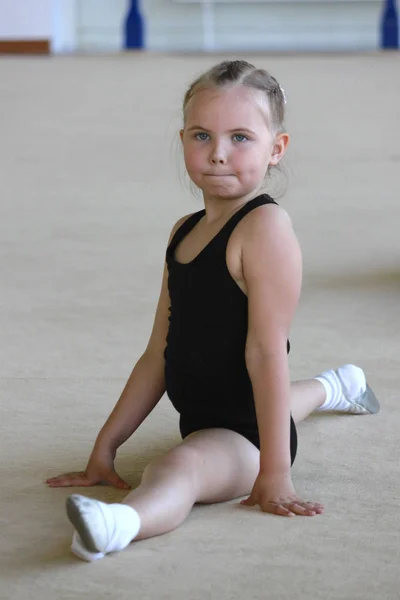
{"x": 79, "y": 549}
{"x": 347, "y": 391}
{"x": 100, "y": 528}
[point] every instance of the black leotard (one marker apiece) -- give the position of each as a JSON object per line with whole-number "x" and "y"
{"x": 205, "y": 370}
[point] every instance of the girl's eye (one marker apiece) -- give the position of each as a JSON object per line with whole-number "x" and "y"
{"x": 238, "y": 137}
{"x": 201, "y": 136}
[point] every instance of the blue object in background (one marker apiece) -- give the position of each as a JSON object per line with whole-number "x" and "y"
{"x": 134, "y": 34}
{"x": 390, "y": 25}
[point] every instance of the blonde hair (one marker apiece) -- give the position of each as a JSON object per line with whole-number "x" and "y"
{"x": 240, "y": 72}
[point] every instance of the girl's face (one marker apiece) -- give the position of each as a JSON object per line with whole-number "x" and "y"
{"x": 226, "y": 141}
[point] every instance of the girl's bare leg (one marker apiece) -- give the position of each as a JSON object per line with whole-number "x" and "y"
{"x": 306, "y": 396}
{"x": 213, "y": 465}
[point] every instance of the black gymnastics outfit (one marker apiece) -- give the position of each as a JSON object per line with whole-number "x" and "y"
{"x": 205, "y": 370}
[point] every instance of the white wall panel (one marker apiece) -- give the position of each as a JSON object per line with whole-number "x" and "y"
{"x": 239, "y": 25}
{"x": 100, "y": 24}
{"x": 23, "y": 19}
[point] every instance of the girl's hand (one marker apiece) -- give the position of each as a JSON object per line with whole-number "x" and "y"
{"x": 99, "y": 470}
{"x": 276, "y": 495}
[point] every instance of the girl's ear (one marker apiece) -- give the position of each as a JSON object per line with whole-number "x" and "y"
{"x": 181, "y": 135}
{"x": 279, "y": 149}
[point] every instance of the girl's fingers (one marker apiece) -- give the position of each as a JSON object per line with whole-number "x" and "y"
{"x": 70, "y": 482}
{"x": 74, "y": 474}
{"x": 66, "y": 479}
{"x": 299, "y": 509}
{"x": 64, "y": 483}
{"x": 295, "y": 508}
{"x": 279, "y": 509}
{"x": 289, "y": 508}
{"x": 317, "y": 508}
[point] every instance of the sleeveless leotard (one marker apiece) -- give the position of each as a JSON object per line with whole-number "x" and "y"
{"x": 205, "y": 370}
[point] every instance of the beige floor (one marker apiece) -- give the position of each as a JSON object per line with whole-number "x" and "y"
{"x": 90, "y": 190}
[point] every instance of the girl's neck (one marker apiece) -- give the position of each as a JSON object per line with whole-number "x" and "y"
{"x": 221, "y": 209}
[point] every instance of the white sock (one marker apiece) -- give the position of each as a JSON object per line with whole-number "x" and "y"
{"x": 343, "y": 386}
{"x": 111, "y": 527}
{"x": 79, "y": 549}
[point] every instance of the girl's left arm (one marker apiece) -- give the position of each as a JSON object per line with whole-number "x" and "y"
{"x": 272, "y": 270}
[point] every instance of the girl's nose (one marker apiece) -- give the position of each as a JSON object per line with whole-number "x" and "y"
{"x": 218, "y": 155}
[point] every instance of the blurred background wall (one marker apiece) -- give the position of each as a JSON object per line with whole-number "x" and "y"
{"x": 25, "y": 19}
{"x": 195, "y": 25}
{"x": 241, "y": 25}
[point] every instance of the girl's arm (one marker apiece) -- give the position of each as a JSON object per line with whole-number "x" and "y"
{"x": 143, "y": 390}
{"x": 146, "y": 384}
{"x": 272, "y": 270}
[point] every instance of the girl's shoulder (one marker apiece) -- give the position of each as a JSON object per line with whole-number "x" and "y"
{"x": 267, "y": 231}
{"x": 181, "y": 221}
{"x": 266, "y": 217}
{"x": 179, "y": 224}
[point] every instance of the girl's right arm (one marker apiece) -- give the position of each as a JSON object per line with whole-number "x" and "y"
{"x": 143, "y": 390}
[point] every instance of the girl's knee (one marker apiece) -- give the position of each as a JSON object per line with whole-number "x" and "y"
{"x": 182, "y": 459}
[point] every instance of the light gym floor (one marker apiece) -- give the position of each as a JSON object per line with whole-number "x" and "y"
{"x": 92, "y": 182}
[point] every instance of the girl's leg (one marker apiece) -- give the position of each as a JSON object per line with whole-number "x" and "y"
{"x": 306, "y": 396}
{"x": 344, "y": 389}
{"x": 212, "y": 465}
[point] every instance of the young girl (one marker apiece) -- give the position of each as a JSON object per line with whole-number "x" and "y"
{"x": 231, "y": 284}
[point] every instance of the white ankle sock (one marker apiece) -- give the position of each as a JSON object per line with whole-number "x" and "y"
{"x": 111, "y": 527}
{"x": 79, "y": 549}
{"x": 342, "y": 386}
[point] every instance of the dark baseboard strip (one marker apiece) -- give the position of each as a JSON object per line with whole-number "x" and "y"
{"x": 24, "y": 46}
